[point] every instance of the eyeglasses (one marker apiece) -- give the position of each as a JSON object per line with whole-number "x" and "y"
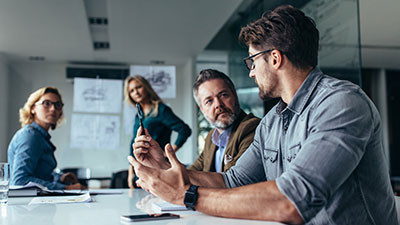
{"x": 48, "y": 103}
{"x": 249, "y": 59}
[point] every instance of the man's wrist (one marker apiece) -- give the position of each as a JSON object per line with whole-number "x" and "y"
{"x": 191, "y": 196}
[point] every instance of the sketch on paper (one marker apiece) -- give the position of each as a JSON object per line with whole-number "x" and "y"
{"x": 94, "y": 94}
{"x": 129, "y": 118}
{"x": 95, "y": 131}
{"x": 161, "y": 78}
{"x": 97, "y": 95}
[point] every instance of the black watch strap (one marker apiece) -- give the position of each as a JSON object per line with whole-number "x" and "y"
{"x": 191, "y": 197}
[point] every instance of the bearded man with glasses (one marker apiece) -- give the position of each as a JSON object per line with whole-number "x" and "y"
{"x": 30, "y": 152}
{"x": 317, "y": 156}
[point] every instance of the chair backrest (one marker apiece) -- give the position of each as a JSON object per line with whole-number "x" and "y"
{"x": 119, "y": 179}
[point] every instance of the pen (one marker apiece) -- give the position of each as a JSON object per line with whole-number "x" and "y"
{"x": 140, "y": 115}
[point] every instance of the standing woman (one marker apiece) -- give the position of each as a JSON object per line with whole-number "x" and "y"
{"x": 158, "y": 119}
{"x": 30, "y": 152}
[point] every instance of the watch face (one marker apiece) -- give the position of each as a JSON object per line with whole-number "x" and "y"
{"x": 189, "y": 197}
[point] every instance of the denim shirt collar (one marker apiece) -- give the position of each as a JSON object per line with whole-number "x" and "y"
{"x": 41, "y": 130}
{"x": 303, "y": 94}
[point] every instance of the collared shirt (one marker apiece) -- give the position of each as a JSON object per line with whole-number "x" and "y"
{"x": 221, "y": 141}
{"x": 325, "y": 152}
{"x": 31, "y": 158}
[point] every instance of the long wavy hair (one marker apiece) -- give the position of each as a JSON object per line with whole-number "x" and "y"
{"x": 25, "y": 114}
{"x": 150, "y": 93}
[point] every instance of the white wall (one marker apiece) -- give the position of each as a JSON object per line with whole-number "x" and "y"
{"x": 28, "y": 77}
{"x": 3, "y": 108}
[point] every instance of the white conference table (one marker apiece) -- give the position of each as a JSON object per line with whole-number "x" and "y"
{"x": 105, "y": 209}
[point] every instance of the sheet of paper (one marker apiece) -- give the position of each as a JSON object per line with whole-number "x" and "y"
{"x": 95, "y": 131}
{"x": 163, "y": 206}
{"x": 161, "y": 78}
{"x": 97, "y": 95}
{"x": 61, "y": 200}
{"x": 95, "y": 191}
{"x": 129, "y": 118}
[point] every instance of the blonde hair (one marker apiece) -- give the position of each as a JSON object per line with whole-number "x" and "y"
{"x": 25, "y": 114}
{"x": 150, "y": 93}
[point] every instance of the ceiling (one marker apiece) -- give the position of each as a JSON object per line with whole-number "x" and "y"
{"x": 169, "y": 31}
{"x": 139, "y": 31}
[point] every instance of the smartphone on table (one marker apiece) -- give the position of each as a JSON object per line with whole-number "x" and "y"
{"x": 149, "y": 217}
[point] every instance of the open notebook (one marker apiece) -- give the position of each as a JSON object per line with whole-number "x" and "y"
{"x": 33, "y": 189}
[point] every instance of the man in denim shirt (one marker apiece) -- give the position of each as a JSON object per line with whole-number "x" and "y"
{"x": 317, "y": 156}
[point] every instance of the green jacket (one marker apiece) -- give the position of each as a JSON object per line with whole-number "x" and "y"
{"x": 241, "y": 137}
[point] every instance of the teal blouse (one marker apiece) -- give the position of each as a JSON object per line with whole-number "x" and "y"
{"x": 161, "y": 126}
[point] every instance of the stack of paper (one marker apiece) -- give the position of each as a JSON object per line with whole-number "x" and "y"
{"x": 30, "y": 189}
{"x": 164, "y": 206}
{"x": 33, "y": 189}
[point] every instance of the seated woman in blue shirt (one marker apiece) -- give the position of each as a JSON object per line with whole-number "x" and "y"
{"x": 30, "y": 152}
{"x": 159, "y": 120}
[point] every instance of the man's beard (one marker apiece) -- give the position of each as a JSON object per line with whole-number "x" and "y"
{"x": 232, "y": 116}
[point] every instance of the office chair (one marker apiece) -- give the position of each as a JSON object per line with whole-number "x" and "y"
{"x": 119, "y": 179}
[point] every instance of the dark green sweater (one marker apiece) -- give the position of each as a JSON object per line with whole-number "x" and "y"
{"x": 161, "y": 126}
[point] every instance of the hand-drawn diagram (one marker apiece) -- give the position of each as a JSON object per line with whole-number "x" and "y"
{"x": 94, "y": 94}
{"x": 161, "y": 78}
{"x": 95, "y": 131}
{"x": 97, "y": 95}
{"x": 129, "y": 118}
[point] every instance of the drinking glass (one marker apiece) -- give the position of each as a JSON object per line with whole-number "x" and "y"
{"x": 4, "y": 180}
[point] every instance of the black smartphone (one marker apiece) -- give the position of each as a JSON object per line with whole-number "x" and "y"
{"x": 149, "y": 217}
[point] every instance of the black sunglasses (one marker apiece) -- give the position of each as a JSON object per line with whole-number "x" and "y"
{"x": 249, "y": 59}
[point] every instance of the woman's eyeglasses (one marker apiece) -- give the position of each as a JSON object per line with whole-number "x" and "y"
{"x": 48, "y": 103}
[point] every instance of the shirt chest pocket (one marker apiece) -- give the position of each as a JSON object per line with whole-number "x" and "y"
{"x": 270, "y": 163}
{"x": 292, "y": 152}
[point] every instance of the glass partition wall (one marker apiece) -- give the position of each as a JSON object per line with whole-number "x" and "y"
{"x": 339, "y": 51}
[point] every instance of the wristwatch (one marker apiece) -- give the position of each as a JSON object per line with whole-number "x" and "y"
{"x": 191, "y": 197}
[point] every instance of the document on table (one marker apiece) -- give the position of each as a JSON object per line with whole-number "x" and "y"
{"x": 163, "y": 206}
{"x": 61, "y": 200}
{"x": 95, "y": 191}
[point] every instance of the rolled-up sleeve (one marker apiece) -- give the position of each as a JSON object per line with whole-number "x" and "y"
{"x": 339, "y": 130}
{"x": 176, "y": 124}
{"x": 249, "y": 167}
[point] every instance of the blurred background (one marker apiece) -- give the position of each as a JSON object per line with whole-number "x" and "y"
{"x": 51, "y": 42}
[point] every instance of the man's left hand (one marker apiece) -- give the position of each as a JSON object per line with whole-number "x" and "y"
{"x": 170, "y": 184}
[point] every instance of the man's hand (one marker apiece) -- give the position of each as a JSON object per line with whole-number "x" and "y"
{"x": 170, "y": 184}
{"x": 68, "y": 178}
{"x": 148, "y": 152}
